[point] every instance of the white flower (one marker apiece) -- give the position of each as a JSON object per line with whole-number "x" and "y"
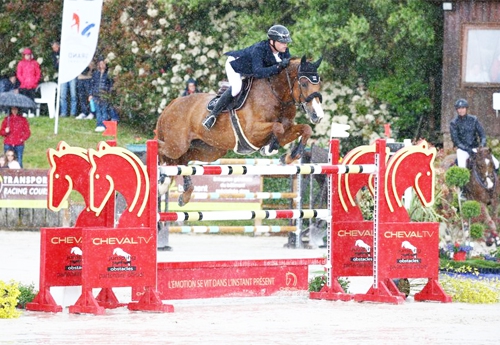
{"x": 141, "y": 71}
{"x": 212, "y": 54}
{"x": 124, "y": 17}
{"x": 152, "y": 12}
{"x": 177, "y": 57}
{"x": 39, "y": 60}
{"x": 202, "y": 59}
{"x": 195, "y": 51}
{"x": 176, "y": 69}
{"x": 163, "y": 22}
{"x": 194, "y": 37}
{"x": 32, "y": 26}
{"x": 135, "y": 50}
{"x": 165, "y": 90}
{"x": 111, "y": 56}
{"x": 117, "y": 70}
{"x": 182, "y": 46}
{"x": 133, "y": 44}
{"x": 209, "y": 40}
{"x": 212, "y": 78}
{"x": 13, "y": 39}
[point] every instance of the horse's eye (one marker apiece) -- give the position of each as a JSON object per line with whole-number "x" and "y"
{"x": 304, "y": 85}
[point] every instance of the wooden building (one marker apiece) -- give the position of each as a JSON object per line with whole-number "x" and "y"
{"x": 471, "y": 62}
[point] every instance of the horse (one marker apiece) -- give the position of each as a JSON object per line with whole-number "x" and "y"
{"x": 265, "y": 120}
{"x": 484, "y": 187}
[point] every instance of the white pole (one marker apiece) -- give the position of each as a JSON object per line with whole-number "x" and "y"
{"x": 56, "y": 115}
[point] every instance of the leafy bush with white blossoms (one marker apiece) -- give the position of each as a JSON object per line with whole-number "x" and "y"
{"x": 353, "y": 107}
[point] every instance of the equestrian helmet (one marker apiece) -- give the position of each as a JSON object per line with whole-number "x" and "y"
{"x": 279, "y": 33}
{"x": 461, "y": 103}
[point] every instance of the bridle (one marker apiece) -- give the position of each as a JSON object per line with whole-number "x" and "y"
{"x": 312, "y": 78}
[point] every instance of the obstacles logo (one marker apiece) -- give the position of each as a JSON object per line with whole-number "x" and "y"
{"x": 121, "y": 261}
{"x": 362, "y": 252}
{"x": 74, "y": 260}
{"x": 408, "y": 254}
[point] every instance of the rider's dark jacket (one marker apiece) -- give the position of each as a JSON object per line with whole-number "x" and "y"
{"x": 466, "y": 131}
{"x": 257, "y": 60}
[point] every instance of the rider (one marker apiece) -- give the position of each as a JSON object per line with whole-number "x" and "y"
{"x": 465, "y": 131}
{"x": 261, "y": 60}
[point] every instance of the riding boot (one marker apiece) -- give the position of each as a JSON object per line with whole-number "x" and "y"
{"x": 224, "y": 100}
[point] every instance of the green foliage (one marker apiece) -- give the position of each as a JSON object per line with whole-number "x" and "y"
{"x": 471, "y": 209}
{"x": 8, "y": 300}
{"x": 477, "y": 231}
{"x": 457, "y": 177}
{"x": 27, "y": 294}
{"x": 317, "y": 283}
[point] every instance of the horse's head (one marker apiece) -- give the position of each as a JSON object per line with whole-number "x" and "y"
{"x": 483, "y": 168}
{"x": 309, "y": 84}
{"x": 306, "y": 89}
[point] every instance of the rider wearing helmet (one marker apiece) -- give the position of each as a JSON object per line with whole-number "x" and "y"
{"x": 467, "y": 133}
{"x": 261, "y": 60}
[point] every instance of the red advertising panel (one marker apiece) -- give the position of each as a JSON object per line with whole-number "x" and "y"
{"x": 352, "y": 248}
{"x": 61, "y": 257}
{"x": 119, "y": 257}
{"x": 247, "y": 278}
{"x": 408, "y": 250}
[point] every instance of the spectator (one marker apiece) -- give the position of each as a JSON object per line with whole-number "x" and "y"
{"x": 83, "y": 83}
{"x": 12, "y": 162}
{"x": 16, "y": 130}
{"x": 3, "y": 163}
{"x": 8, "y": 83}
{"x": 191, "y": 87}
{"x": 28, "y": 73}
{"x": 100, "y": 89}
{"x": 64, "y": 86}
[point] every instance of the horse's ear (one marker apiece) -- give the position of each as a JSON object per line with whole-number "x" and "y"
{"x": 317, "y": 63}
{"x": 303, "y": 61}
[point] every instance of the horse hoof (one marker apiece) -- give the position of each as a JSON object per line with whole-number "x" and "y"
{"x": 180, "y": 201}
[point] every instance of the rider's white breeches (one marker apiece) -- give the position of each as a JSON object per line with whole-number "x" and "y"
{"x": 233, "y": 77}
{"x": 462, "y": 157}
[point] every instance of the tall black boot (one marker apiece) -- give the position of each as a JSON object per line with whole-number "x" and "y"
{"x": 223, "y": 101}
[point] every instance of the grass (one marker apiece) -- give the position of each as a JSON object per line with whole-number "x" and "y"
{"x": 75, "y": 132}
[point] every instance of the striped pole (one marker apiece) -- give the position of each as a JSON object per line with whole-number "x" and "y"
{"x": 243, "y": 215}
{"x": 230, "y": 229}
{"x": 245, "y": 161}
{"x": 304, "y": 169}
{"x": 250, "y": 196}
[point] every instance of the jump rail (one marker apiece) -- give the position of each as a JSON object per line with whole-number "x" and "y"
{"x": 243, "y": 215}
{"x": 230, "y": 229}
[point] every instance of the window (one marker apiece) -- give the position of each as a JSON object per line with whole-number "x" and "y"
{"x": 481, "y": 54}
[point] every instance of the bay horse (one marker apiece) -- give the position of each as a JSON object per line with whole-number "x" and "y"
{"x": 484, "y": 187}
{"x": 266, "y": 118}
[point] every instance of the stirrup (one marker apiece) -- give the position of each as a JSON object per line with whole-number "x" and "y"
{"x": 209, "y": 122}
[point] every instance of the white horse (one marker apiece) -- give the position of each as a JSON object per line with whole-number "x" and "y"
{"x": 121, "y": 252}
{"x": 76, "y": 251}
{"x": 361, "y": 244}
{"x": 408, "y": 245}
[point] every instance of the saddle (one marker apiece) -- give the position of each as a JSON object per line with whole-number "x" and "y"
{"x": 238, "y": 101}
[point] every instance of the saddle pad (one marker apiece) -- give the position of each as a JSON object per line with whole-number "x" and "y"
{"x": 238, "y": 101}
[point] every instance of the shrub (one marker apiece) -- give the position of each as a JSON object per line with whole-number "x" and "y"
{"x": 27, "y": 294}
{"x": 457, "y": 177}
{"x": 317, "y": 283}
{"x": 476, "y": 230}
{"x": 471, "y": 209}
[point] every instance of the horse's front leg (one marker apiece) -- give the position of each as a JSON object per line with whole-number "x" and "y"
{"x": 188, "y": 190}
{"x": 291, "y": 134}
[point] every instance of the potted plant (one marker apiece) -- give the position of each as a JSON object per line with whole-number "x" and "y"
{"x": 458, "y": 251}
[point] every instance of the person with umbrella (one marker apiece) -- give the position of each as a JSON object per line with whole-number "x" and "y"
{"x": 15, "y": 130}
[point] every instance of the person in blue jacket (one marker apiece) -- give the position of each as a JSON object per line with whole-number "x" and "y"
{"x": 261, "y": 60}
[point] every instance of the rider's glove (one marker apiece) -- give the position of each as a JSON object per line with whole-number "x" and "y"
{"x": 283, "y": 64}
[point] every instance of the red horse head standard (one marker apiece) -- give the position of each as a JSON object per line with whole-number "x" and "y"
{"x": 117, "y": 169}
{"x": 69, "y": 170}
